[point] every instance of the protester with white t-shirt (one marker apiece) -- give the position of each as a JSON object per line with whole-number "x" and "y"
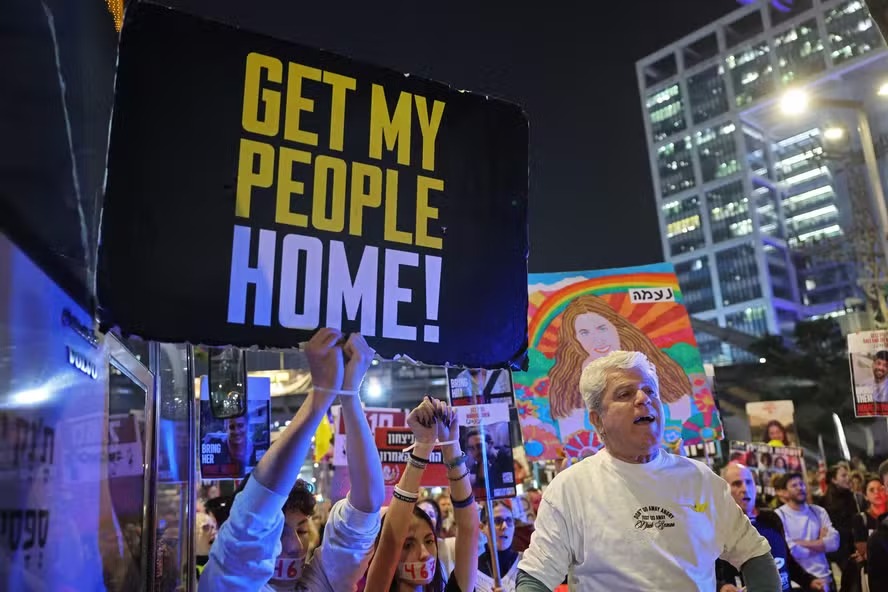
{"x": 634, "y": 517}
{"x": 809, "y": 531}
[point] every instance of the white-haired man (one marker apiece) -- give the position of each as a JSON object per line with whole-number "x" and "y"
{"x": 634, "y": 517}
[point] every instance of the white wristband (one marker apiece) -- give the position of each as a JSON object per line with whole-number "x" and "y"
{"x": 324, "y": 389}
{"x": 434, "y": 444}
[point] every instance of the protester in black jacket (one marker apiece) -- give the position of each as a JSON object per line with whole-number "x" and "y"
{"x": 769, "y": 525}
{"x": 877, "y": 557}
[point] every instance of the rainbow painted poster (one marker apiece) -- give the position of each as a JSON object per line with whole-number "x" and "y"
{"x": 576, "y": 317}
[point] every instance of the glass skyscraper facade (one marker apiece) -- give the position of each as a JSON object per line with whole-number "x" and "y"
{"x": 743, "y": 196}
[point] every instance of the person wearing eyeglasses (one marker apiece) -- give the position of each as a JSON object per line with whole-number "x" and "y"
{"x": 502, "y": 536}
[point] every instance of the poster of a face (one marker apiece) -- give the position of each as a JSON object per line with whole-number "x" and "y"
{"x": 773, "y": 422}
{"x": 868, "y": 356}
{"x": 485, "y": 437}
{"x": 231, "y": 448}
{"x": 766, "y": 462}
{"x": 576, "y": 318}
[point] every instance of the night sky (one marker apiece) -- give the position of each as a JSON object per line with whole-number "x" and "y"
{"x": 573, "y": 71}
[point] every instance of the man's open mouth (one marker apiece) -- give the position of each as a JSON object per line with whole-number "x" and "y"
{"x": 645, "y": 419}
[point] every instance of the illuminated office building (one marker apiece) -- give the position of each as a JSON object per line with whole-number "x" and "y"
{"x": 747, "y": 198}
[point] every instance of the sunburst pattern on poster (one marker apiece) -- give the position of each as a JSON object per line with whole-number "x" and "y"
{"x": 637, "y": 309}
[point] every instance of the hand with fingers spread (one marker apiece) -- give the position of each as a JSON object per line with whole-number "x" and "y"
{"x": 325, "y": 359}
{"x": 422, "y": 421}
{"x": 358, "y": 357}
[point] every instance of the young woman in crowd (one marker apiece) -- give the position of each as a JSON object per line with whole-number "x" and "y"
{"x": 445, "y": 545}
{"x": 406, "y": 558}
{"x": 864, "y": 524}
{"x": 502, "y": 534}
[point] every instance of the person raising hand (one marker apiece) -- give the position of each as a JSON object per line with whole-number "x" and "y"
{"x": 263, "y": 544}
{"x": 406, "y": 558}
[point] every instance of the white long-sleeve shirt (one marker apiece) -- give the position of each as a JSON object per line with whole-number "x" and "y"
{"x": 243, "y": 555}
{"x": 805, "y": 525}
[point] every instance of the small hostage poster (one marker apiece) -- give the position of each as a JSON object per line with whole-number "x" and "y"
{"x": 478, "y": 386}
{"x": 766, "y": 462}
{"x": 231, "y": 448}
{"x": 577, "y": 317}
{"x": 773, "y": 422}
{"x": 868, "y": 357}
{"x": 485, "y": 437}
{"x": 264, "y": 189}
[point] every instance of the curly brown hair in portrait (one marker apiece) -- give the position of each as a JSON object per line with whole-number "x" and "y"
{"x": 564, "y": 377}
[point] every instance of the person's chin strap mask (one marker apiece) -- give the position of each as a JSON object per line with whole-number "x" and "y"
{"x": 288, "y": 568}
{"x": 418, "y": 573}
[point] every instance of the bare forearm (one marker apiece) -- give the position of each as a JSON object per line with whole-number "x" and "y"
{"x": 466, "y": 518}
{"x": 395, "y": 526}
{"x": 279, "y": 467}
{"x": 364, "y": 468}
{"x": 461, "y": 488}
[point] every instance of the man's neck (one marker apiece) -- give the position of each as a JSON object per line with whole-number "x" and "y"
{"x": 752, "y": 512}
{"x": 797, "y": 506}
{"x": 635, "y": 459}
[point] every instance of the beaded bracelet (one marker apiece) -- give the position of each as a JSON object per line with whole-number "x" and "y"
{"x": 460, "y": 478}
{"x": 417, "y": 462}
{"x": 464, "y": 503}
{"x": 405, "y": 496}
{"x": 452, "y": 464}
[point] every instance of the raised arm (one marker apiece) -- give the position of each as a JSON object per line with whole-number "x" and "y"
{"x": 279, "y": 467}
{"x": 364, "y": 468}
{"x": 464, "y": 511}
{"x": 397, "y": 519}
{"x": 243, "y": 555}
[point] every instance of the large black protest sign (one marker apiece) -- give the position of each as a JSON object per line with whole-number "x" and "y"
{"x": 258, "y": 190}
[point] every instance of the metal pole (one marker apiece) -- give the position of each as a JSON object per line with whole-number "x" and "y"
{"x": 193, "y": 468}
{"x": 491, "y": 529}
{"x": 872, "y": 170}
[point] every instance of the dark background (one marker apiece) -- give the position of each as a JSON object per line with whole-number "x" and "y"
{"x": 570, "y": 65}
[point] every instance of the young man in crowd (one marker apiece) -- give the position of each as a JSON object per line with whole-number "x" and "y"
{"x": 262, "y": 545}
{"x": 766, "y": 522}
{"x": 808, "y": 530}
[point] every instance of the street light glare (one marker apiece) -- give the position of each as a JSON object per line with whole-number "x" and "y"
{"x": 834, "y": 133}
{"x": 794, "y": 102}
{"x": 883, "y": 90}
{"x": 374, "y": 388}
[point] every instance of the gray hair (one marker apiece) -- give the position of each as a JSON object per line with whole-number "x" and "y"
{"x": 593, "y": 382}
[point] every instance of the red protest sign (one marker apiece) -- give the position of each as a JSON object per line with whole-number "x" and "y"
{"x": 391, "y": 443}
{"x": 377, "y": 417}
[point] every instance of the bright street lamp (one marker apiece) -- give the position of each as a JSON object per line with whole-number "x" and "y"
{"x": 883, "y": 90}
{"x": 374, "y": 388}
{"x": 834, "y": 133}
{"x": 795, "y": 102}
